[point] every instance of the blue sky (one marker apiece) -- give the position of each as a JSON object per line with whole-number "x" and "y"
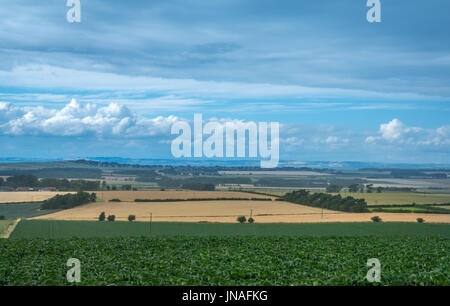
{"x": 342, "y": 88}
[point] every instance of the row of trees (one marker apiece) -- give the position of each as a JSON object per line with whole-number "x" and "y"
{"x": 68, "y": 200}
{"x": 328, "y": 201}
{"x": 60, "y": 184}
{"x": 354, "y": 188}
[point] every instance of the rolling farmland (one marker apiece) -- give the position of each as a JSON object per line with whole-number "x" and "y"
{"x": 28, "y": 196}
{"x": 398, "y": 198}
{"x": 129, "y": 196}
{"x": 228, "y": 211}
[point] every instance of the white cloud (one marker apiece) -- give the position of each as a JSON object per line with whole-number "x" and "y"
{"x": 77, "y": 119}
{"x": 397, "y": 132}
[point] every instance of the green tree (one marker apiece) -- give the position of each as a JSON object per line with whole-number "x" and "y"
{"x": 241, "y": 219}
{"x": 111, "y": 218}
{"x": 334, "y": 188}
{"x": 102, "y": 216}
{"x": 131, "y": 218}
{"x": 353, "y": 188}
{"x": 376, "y": 219}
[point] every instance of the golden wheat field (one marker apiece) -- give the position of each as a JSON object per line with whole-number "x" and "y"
{"x": 183, "y": 211}
{"x": 173, "y": 194}
{"x": 228, "y": 211}
{"x": 28, "y": 196}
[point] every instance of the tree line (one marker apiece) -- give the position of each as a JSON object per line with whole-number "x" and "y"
{"x": 327, "y": 201}
{"x": 68, "y": 200}
{"x": 32, "y": 181}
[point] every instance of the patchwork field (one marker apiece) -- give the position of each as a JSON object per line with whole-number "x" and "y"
{"x": 228, "y": 211}
{"x": 397, "y": 198}
{"x": 172, "y": 194}
{"x": 23, "y": 210}
{"x": 191, "y": 211}
{"x": 28, "y": 196}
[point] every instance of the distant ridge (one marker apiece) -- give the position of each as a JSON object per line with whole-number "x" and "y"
{"x": 335, "y": 165}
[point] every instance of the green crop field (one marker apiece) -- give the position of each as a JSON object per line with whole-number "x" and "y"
{"x": 226, "y": 260}
{"x": 67, "y": 229}
{"x": 23, "y": 210}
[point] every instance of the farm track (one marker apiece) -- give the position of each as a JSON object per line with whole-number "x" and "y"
{"x": 10, "y": 229}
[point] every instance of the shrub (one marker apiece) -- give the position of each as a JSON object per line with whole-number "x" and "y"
{"x": 115, "y": 200}
{"x": 241, "y": 219}
{"x": 131, "y": 218}
{"x": 111, "y": 218}
{"x": 2, "y": 218}
{"x": 420, "y": 220}
{"x": 251, "y": 220}
{"x": 376, "y": 219}
{"x": 102, "y": 216}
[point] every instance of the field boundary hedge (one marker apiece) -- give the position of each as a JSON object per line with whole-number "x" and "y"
{"x": 202, "y": 199}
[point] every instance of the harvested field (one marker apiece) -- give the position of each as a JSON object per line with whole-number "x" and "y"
{"x": 173, "y": 194}
{"x": 28, "y": 196}
{"x": 220, "y": 211}
{"x": 227, "y": 211}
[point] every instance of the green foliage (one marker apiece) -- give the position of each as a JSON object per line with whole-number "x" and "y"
{"x": 131, "y": 218}
{"x": 210, "y": 261}
{"x": 420, "y": 220}
{"x": 65, "y": 172}
{"x": 353, "y": 188}
{"x": 115, "y": 200}
{"x": 126, "y": 187}
{"x": 251, "y": 220}
{"x": 199, "y": 186}
{"x": 376, "y": 219}
{"x": 102, "y": 217}
{"x": 111, "y": 218}
{"x": 334, "y": 188}
{"x": 60, "y": 184}
{"x": 323, "y": 200}
{"x": 241, "y": 219}
{"x": 2, "y": 217}
{"x": 68, "y": 200}
{"x": 22, "y": 181}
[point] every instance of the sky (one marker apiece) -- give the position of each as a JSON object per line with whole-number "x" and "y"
{"x": 342, "y": 89}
